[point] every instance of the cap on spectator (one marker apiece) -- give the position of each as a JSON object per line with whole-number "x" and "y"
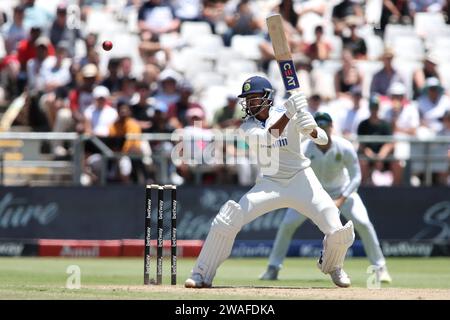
{"x": 356, "y": 90}
{"x": 19, "y": 8}
{"x": 195, "y": 112}
{"x": 169, "y": 74}
{"x": 432, "y": 82}
{"x": 186, "y": 86}
{"x": 431, "y": 57}
{"x": 388, "y": 53}
{"x": 61, "y": 8}
{"x": 100, "y": 92}
{"x": 353, "y": 20}
{"x": 232, "y": 97}
{"x": 36, "y": 27}
{"x": 374, "y": 102}
{"x": 323, "y": 119}
{"x": 397, "y": 89}
{"x": 42, "y": 41}
{"x": 90, "y": 70}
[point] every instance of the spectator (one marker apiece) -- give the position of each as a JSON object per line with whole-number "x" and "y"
{"x": 143, "y": 111}
{"x": 190, "y": 10}
{"x": 433, "y": 103}
{"x": 342, "y": 10}
{"x": 177, "y": 113}
{"x": 128, "y": 167}
{"x": 36, "y": 15}
{"x": 213, "y": 13}
{"x": 196, "y": 139}
{"x": 428, "y": 70}
{"x": 162, "y": 150}
{"x": 113, "y": 80}
{"x": 404, "y": 121}
{"x": 26, "y": 50}
{"x": 353, "y": 42}
{"x": 167, "y": 93}
{"x": 241, "y": 19}
{"x": 314, "y": 103}
{"x": 55, "y": 74}
{"x": 230, "y": 115}
{"x": 425, "y": 6}
{"x": 373, "y": 156}
{"x": 358, "y": 112}
{"x": 15, "y": 31}
{"x": 80, "y": 98}
{"x": 347, "y": 77}
{"x": 127, "y": 90}
{"x": 288, "y": 13}
{"x": 320, "y": 49}
{"x": 100, "y": 115}
{"x": 399, "y": 112}
{"x": 383, "y": 79}
{"x": 60, "y": 31}
{"x": 155, "y": 18}
{"x": 35, "y": 84}
{"x": 394, "y": 11}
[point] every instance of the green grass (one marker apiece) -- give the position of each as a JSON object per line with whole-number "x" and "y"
{"x": 104, "y": 278}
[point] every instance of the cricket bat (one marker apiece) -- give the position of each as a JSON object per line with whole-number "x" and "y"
{"x": 282, "y": 52}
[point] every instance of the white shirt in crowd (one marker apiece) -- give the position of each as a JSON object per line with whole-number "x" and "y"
{"x": 100, "y": 118}
{"x": 51, "y": 74}
{"x": 407, "y": 119}
{"x": 431, "y": 112}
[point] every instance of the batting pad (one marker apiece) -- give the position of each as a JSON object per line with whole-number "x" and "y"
{"x": 335, "y": 246}
{"x": 219, "y": 242}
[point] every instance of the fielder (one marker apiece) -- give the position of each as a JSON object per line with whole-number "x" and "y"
{"x": 292, "y": 185}
{"x": 337, "y": 168}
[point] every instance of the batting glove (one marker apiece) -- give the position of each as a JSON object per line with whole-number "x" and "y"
{"x": 305, "y": 123}
{"x": 296, "y": 103}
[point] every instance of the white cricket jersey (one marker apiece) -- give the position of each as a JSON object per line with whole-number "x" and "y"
{"x": 337, "y": 169}
{"x": 285, "y": 152}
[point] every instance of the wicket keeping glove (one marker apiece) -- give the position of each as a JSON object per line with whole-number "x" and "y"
{"x": 305, "y": 122}
{"x": 295, "y": 104}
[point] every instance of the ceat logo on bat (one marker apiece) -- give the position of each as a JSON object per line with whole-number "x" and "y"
{"x": 289, "y": 75}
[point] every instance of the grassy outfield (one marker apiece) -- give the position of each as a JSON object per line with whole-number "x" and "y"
{"x": 45, "y": 278}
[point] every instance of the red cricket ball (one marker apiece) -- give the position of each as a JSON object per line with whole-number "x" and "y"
{"x": 107, "y": 45}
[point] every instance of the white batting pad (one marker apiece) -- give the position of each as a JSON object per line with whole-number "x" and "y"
{"x": 219, "y": 242}
{"x": 335, "y": 246}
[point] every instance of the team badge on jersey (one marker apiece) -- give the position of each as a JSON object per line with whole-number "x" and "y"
{"x": 338, "y": 157}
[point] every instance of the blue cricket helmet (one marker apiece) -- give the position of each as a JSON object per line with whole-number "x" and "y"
{"x": 256, "y": 84}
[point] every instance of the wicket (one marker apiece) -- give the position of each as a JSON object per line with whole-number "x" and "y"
{"x": 160, "y": 230}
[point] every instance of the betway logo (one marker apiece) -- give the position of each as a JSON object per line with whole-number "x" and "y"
{"x": 407, "y": 249}
{"x": 11, "y": 249}
{"x": 68, "y": 251}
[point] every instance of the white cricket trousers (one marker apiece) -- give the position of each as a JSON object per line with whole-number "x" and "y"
{"x": 303, "y": 192}
{"x": 353, "y": 209}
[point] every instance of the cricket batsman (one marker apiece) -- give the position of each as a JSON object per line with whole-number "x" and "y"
{"x": 292, "y": 185}
{"x": 337, "y": 168}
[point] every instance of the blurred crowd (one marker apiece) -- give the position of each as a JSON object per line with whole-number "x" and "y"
{"x": 378, "y": 70}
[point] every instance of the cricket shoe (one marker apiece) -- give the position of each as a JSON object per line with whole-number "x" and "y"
{"x": 270, "y": 274}
{"x": 196, "y": 281}
{"x": 338, "y": 275}
{"x": 340, "y": 278}
{"x": 384, "y": 275}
